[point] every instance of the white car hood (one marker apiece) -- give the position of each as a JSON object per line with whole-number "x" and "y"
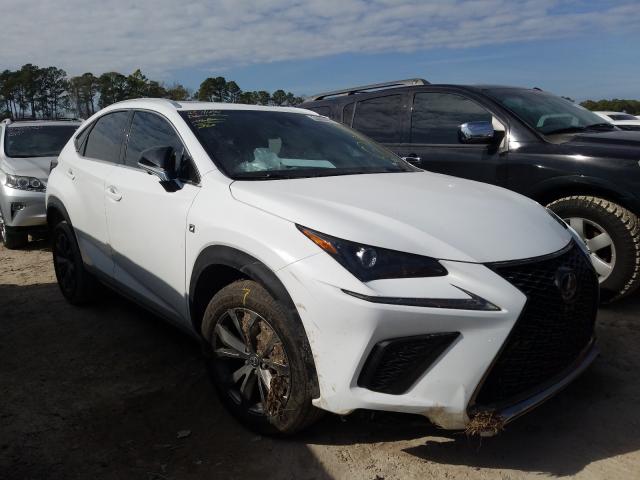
{"x": 419, "y": 212}
{"x": 37, "y": 167}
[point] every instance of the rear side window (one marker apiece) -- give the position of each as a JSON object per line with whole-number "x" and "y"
{"x": 347, "y": 113}
{"x": 380, "y": 118}
{"x": 105, "y": 138}
{"x": 437, "y": 116}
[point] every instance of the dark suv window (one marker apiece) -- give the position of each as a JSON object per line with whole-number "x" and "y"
{"x": 437, "y": 116}
{"x": 105, "y": 139}
{"x": 347, "y": 113}
{"x": 149, "y": 130}
{"x": 380, "y": 118}
{"x": 326, "y": 111}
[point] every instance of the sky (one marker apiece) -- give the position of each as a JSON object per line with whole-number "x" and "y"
{"x": 581, "y": 49}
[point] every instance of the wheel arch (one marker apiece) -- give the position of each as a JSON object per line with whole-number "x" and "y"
{"x": 56, "y": 212}
{"x": 217, "y": 266}
{"x": 558, "y": 188}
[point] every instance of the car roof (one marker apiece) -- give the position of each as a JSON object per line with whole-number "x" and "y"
{"x": 42, "y": 123}
{"x": 410, "y": 88}
{"x": 162, "y": 104}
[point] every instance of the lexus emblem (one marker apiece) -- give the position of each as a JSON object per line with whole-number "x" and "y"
{"x": 567, "y": 283}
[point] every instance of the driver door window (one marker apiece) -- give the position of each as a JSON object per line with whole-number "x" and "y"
{"x": 149, "y": 130}
{"x": 436, "y": 117}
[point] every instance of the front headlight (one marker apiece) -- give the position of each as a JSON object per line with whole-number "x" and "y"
{"x": 368, "y": 263}
{"x": 25, "y": 183}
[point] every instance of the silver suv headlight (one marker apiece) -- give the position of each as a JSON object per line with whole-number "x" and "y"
{"x": 31, "y": 184}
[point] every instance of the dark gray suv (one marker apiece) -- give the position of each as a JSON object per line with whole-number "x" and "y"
{"x": 527, "y": 140}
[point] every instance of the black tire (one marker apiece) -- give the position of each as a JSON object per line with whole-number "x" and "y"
{"x": 622, "y": 226}
{"x": 286, "y": 412}
{"x": 76, "y": 284}
{"x": 14, "y": 240}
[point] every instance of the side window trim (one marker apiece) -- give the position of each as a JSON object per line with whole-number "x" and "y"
{"x": 353, "y": 112}
{"x": 184, "y": 145}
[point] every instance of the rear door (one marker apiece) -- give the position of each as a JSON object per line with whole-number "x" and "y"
{"x": 433, "y": 142}
{"x": 98, "y": 152}
{"x": 147, "y": 224}
{"x": 381, "y": 117}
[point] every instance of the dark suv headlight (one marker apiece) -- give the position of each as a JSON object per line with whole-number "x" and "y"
{"x": 368, "y": 263}
{"x": 25, "y": 183}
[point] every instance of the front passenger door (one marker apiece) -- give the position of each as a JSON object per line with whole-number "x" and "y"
{"x": 147, "y": 224}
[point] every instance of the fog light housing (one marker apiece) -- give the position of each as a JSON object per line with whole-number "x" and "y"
{"x": 16, "y": 207}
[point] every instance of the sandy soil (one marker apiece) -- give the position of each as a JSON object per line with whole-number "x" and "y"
{"x": 103, "y": 392}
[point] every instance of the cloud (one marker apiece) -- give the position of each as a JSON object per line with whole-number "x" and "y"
{"x": 166, "y": 35}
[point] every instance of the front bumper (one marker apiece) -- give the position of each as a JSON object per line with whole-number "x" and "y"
{"x": 23, "y": 209}
{"x": 511, "y": 412}
{"x": 346, "y": 332}
{"x": 342, "y": 330}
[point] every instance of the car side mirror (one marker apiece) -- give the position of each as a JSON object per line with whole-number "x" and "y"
{"x": 159, "y": 161}
{"x": 477, "y": 132}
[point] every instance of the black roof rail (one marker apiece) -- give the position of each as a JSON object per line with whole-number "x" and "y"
{"x": 364, "y": 88}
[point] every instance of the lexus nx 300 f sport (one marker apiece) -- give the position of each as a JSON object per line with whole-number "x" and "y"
{"x": 319, "y": 270}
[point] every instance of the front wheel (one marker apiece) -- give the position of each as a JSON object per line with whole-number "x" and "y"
{"x": 12, "y": 240}
{"x": 612, "y": 236}
{"x": 259, "y": 364}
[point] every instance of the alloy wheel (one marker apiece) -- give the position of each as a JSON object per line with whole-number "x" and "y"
{"x": 251, "y": 362}
{"x": 599, "y": 243}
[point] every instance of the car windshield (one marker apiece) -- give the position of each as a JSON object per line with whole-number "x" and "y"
{"x": 36, "y": 141}
{"x": 621, "y": 116}
{"x": 262, "y": 145}
{"x": 547, "y": 113}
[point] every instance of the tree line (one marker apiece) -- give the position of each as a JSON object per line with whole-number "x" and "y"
{"x": 34, "y": 92}
{"x": 615, "y": 105}
{"x": 46, "y": 93}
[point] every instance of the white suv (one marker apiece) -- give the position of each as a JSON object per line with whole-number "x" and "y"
{"x": 321, "y": 271}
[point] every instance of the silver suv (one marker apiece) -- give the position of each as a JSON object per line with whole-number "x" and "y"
{"x": 27, "y": 149}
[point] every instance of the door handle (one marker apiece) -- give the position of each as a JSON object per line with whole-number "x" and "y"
{"x": 113, "y": 193}
{"x": 412, "y": 158}
{"x": 70, "y": 174}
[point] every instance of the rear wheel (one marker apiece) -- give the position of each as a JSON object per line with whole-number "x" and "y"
{"x": 258, "y": 363}
{"x": 612, "y": 235}
{"x": 76, "y": 283}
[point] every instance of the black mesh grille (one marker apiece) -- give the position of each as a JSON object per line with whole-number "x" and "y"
{"x": 394, "y": 365}
{"x": 553, "y": 329}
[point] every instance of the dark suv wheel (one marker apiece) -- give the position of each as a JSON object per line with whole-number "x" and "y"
{"x": 259, "y": 360}
{"x": 612, "y": 235}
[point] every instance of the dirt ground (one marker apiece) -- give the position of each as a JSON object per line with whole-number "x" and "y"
{"x": 110, "y": 391}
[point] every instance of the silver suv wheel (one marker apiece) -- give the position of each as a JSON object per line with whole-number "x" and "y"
{"x": 599, "y": 243}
